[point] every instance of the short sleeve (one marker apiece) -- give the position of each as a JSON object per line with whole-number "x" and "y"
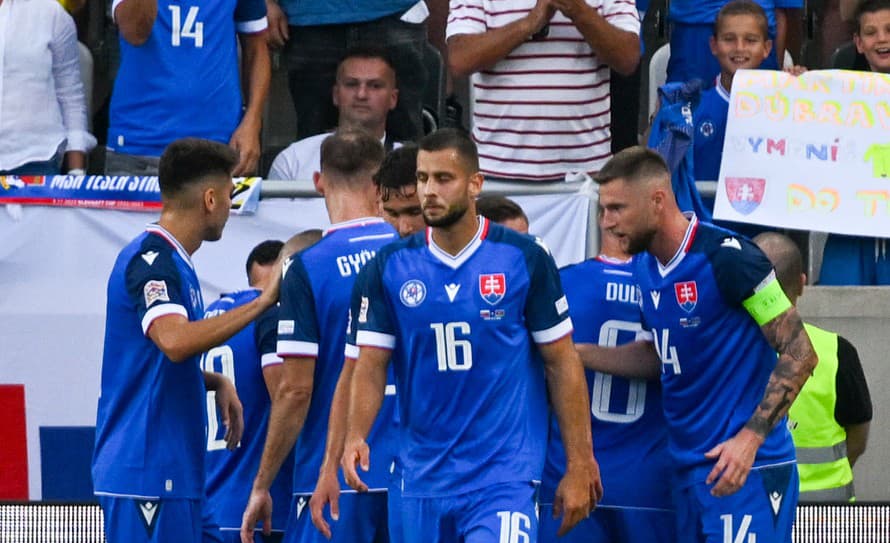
{"x": 853, "y": 404}
{"x": 622, "y": 14}
{"x": 266, "y": 336}
{"x": 745, "y": 277}
{"x": 355, "y": 308}
{"x": 372, "y": 320}
{"x": 546, "y": 306}
{"x": 286, "y": 166}
{"x": 465, "y": 17}
{"x": 298, "y": 333}
{"x": 154, "y": 286}
{"x": 250, "y": 16}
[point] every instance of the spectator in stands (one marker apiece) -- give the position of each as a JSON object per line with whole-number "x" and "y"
{"x": 364, "y": 93}
{"x": 540, "y": 79}
{"x": 396, "y": 182}
{"x": 504, "y": 211}
{"x": 179, "y": 76}
{"x": 43, "y": 114}
{"x": 691, "y": 25}
{"x": 830, "y": 419}
{"x": 853, "y": 260}
{"x": 316, "y": 33}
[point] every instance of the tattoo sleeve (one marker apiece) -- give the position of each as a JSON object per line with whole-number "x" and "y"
{"x": 794, "y": 366}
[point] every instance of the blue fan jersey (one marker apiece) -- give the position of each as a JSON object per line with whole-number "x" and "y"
{"x": 629, "y": 432}
{"x": 184, "y": 80}
{"x": 716, "y": 361}
{"x": 315, "y": 295}
{"x": 705, "y": 12}
{"x": 472, "y": 402}
{"x": 150, "y": 420}
{"x": 709, "y": 119}
{"x": 242, "y": 359}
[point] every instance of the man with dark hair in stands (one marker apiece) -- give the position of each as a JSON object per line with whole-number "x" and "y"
{"x": 148, "y": 465}
{"x": 830, "y": 419}
{"x": 179, "y": 76}
{"x": 540, "y": 76}
{"x": 504, "y": 211}
{"x": 364, "y": 92}
{"x": 316, "y": 33}
{"x": 250, "y": 361}
{"x": 396, "y": 182}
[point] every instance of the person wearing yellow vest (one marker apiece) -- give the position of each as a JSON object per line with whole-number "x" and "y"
{"x": 829, "y": 420}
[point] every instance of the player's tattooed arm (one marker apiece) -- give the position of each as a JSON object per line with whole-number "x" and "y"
{"x": 795, "y": 364}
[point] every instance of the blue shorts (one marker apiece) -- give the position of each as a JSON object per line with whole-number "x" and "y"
{"x": 133, "y": 520}
{"x": 691, "y": 56}
{"x": 762, "y": 510}
{"x": 611, "y": 525}
{"x": 362, "y": 520}
{"x": 504, "y": 512}
{"x": 394, "y": 507}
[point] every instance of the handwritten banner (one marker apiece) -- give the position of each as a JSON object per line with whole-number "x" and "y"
{"x": 809, "y": 152}
{"x": 136, "y": 193}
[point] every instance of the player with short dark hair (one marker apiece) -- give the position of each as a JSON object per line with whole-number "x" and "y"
{"x": 716, "y": 317}
{"x": 249, "y": 360}
{"x": 396, "y": 182}
{"x": 504, "y": 211}
{"x": 312, "y": 322}
{"x": 148, "y": 465}
{"x": 459, "y": 309}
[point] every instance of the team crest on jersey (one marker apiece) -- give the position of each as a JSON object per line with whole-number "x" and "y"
{"x": 706, "y": 129}
{"x": 687, "y": 295}
{"x": 745, "y": 193}
{"x": 412, "y": 293}
{"x": 492, "y": 287}
{"x": 155, "y": 291}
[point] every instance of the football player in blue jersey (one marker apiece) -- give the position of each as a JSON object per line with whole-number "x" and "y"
{"x": 459, "y": 309}
{"x": 148, "y": 465}
{"x": 250, "y": 361}
{"x": 396, "y": 183}
{"x": 311, "y": 338}
{"x": 715, "y": 316}
{"x": 625, "y": 414}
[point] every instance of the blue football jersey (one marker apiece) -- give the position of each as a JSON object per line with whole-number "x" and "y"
{"x": 184, "y": 80}
{"x": 242, "y": 359}
{"x": 716, "y": 361}
{"x": 315, "y": 295}
{"x": 709, "y": 119}
{"x": 629, "y": 432}
{"x": 150, "y": 420}
{"x": 705, "y": 12}
{"x": 472, "y": 401}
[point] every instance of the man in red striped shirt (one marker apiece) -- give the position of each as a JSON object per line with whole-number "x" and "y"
{"x": 540, "y": 80}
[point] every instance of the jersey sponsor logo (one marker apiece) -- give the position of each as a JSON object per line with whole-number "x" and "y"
{"x": 492, "y": 287}
{"x": 656, "y": 297}
{"x": 491, "y": 315}
{"x": 412, "y": 293}
{"x": 285, "y": 327}
{"x": 150, "y": 257}
{"x": 155, "y": 291}
{"x": 732, "y": 243}
{"x": 687, "y": 295}
{"x": 706, "y": 129}
{"x": 451, "y": 290}
{"x": 148, "y": 513}
{"x": 690, "y": 322}
{"x": 301, "y": 505}
{"x": 745, "y": 193}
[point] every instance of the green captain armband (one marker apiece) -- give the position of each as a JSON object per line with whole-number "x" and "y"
{"x": 768, "y": 301}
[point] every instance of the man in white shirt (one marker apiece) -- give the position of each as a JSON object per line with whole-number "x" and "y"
{"x": 364, "y": 93}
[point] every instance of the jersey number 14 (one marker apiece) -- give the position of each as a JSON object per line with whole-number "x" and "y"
{"x": 185, "y": 29}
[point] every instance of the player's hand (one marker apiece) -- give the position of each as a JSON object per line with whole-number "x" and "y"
{"x": 327, "y": 491}
{"x": 577, "y": 494}
{"x": 271, "y": 287}
{"x": 246, "y": 142}
{"x": 795, "y": 70}
{"x": 735, "y": 457}
{"x": 540, "y": 15}
{"x": 572, "y": 9}
{"x": 356, "y": 452}
{"x": 278, "y": 30}
{"x": 229, "y": 406}
{"x": 259, "y": 507}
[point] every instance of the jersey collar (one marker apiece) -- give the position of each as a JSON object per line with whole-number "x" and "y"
{"x": 363, "y": 221}
{"x": 158, "y": 230}
{"x": 688, "y": 238}
{"x": 454, "y": 262}
{"x": 724, "y": 93}
{"x": 612, "y": 260}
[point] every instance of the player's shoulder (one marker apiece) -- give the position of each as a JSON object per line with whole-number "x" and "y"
{"x": 413, "y": 242}
{"x": 147, "y": 252}
{"x": 719, "y": 243}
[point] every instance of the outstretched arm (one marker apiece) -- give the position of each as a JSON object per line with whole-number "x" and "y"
{"x": 636, "y": 360}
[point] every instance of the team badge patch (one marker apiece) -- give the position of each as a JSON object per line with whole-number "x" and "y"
{"x": 412, "y": 293}
{"x": 706, "y": 129}
{"x": 492, "y": 287}
{"x": 155, "y": 291}
{"x": 687, "y": 295}
{"x": 745, "y": 193}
